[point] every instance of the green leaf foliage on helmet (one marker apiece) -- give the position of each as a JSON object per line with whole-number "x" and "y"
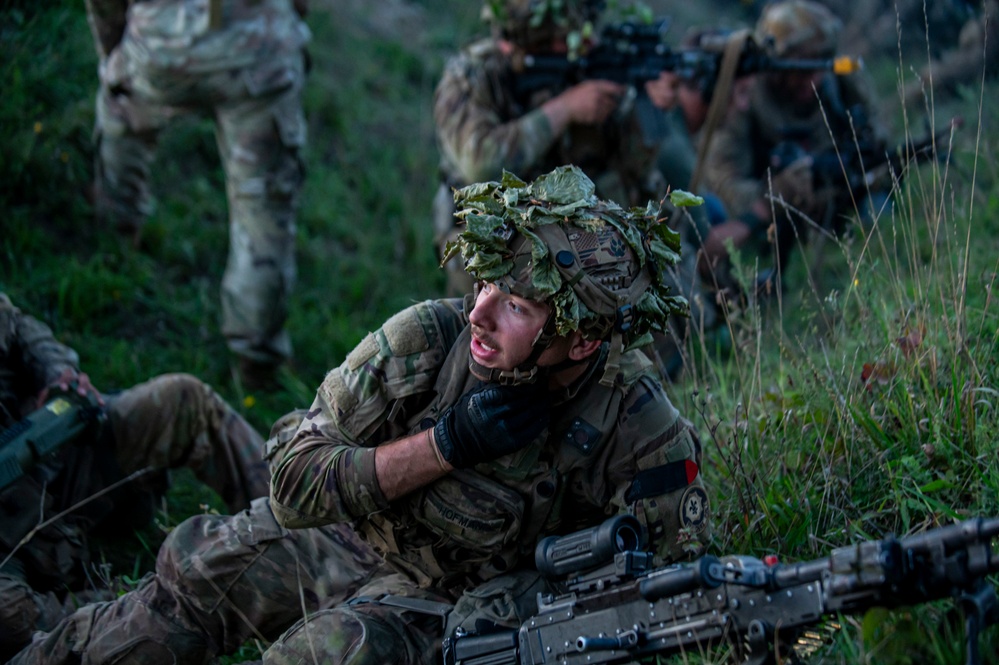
{"x": 553, "y": 241}
{"x": 537, "y": 24}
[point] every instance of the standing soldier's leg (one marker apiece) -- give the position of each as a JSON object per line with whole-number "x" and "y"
{"x": 259, "y": 141}
{"x": 176, "y": 420}
{"x": 123, "y": 154}
{"x": 220, "y": 581}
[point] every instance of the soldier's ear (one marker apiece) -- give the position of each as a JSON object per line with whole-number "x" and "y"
{"x": 580, "y": 348}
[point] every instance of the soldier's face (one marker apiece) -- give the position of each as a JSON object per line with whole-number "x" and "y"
{"x": 504, "y": 327}
{"x": 798, "y": 88}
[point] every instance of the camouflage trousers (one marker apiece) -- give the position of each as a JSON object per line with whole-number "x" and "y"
{"x": 176, "y": 420}
{"x": 259, "y": 130}
{"x": 223, "y": 580}
{"x": 320, "y": 593}
{"x": 171, "y": 421}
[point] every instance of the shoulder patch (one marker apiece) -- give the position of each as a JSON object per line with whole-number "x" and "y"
{"x": 694, "y": 508}
{"x": 334, "y": 391}
{"x": 405, "y": 334}
{"x": 362, "y": 353}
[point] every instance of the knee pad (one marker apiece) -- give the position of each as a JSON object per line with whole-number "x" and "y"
{"x": 345, "y": 635}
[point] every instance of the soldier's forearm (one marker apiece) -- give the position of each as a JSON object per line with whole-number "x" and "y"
{"x": 408, "y": 464}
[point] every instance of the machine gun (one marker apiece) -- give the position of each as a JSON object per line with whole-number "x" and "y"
{"x": 30, "y": 441}
{"x": 618, "y": 610}
{"x": 634, "y": 53}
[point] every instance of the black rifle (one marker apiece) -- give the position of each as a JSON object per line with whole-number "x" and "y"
{"x": 622, "y": 610}
{"x": 859, "y": 159}
{"x": 62, "y": 419}
{"x": 633, "y": 53}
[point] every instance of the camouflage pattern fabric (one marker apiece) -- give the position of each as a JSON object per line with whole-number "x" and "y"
{"x": 482, "y": 130}
{"x": 32, "y": 358}
{"x": 248, "y": 76}
{"x": 223, "y": 580}
{"x": 738, "y": 158}
{"x": 171, "y": 421}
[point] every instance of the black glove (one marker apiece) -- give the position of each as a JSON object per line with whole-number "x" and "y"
{"x": 491, "y": 421}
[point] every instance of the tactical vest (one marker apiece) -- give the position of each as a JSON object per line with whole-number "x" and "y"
{"x": 474, "y": 524}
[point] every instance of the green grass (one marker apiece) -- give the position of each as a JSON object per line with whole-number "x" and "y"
{"x": 802, "y": 453}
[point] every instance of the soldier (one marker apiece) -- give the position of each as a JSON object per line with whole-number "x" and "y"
{"x": 242, "y": 62}
{"x": 171, "y": 421}
{"x": 485, "y": 124}
{"x": 434, "y": 458}
{"x": 796, "y": 114}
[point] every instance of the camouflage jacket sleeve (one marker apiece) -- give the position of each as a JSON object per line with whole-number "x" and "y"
{"x": 107, "y": 19}
{"x": 326, "y": 474}
{"x": 32, "y": 357}
{"x": 477, "y": 132}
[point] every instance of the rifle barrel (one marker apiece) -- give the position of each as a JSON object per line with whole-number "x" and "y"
{"x": 840, "y": 66}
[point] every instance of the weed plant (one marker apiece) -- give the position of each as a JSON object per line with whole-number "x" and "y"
{"x": 861, "y": 401}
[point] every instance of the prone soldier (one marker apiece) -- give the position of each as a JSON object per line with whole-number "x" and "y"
{"x": 448, "y": 442}
{"x": 171, "y": 421}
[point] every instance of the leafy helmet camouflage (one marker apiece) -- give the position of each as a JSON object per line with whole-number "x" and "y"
{"x": 799, "y": 28}
{"x": 598, "y": 265}
{"x": 539, "y": 23}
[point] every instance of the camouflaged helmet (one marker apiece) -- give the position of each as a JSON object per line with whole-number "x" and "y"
{"x": 598, "y": 266}
{"x": 799, "y": 28}
{"x": 533, "y": 24}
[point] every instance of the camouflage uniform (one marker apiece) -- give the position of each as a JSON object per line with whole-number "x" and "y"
{"x": 738, "y": 160}
{"x": 164, "y": 60}
{"x": 171, "y": 421}
{"x": 483, "y": 129}
{"x": 223, "y": 580}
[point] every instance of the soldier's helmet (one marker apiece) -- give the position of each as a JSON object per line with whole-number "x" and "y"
{"x": 598, "y": 265}
{"x": 799, "y": 29}
{"x": 533, "y": 24}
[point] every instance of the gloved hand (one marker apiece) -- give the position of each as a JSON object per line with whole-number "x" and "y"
{"x": 794, "y": 184}
{"x": 491, "y": 421}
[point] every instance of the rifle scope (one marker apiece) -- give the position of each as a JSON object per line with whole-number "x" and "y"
{"x": 559, "y": 556}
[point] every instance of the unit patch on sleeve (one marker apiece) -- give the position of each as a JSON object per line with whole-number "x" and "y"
{"x": 694, "y": 508}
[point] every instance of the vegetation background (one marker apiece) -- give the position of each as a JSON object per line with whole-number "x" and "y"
{"x": 860, "y": 403}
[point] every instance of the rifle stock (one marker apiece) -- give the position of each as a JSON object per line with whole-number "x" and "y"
{"x": 622, "y": 612}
